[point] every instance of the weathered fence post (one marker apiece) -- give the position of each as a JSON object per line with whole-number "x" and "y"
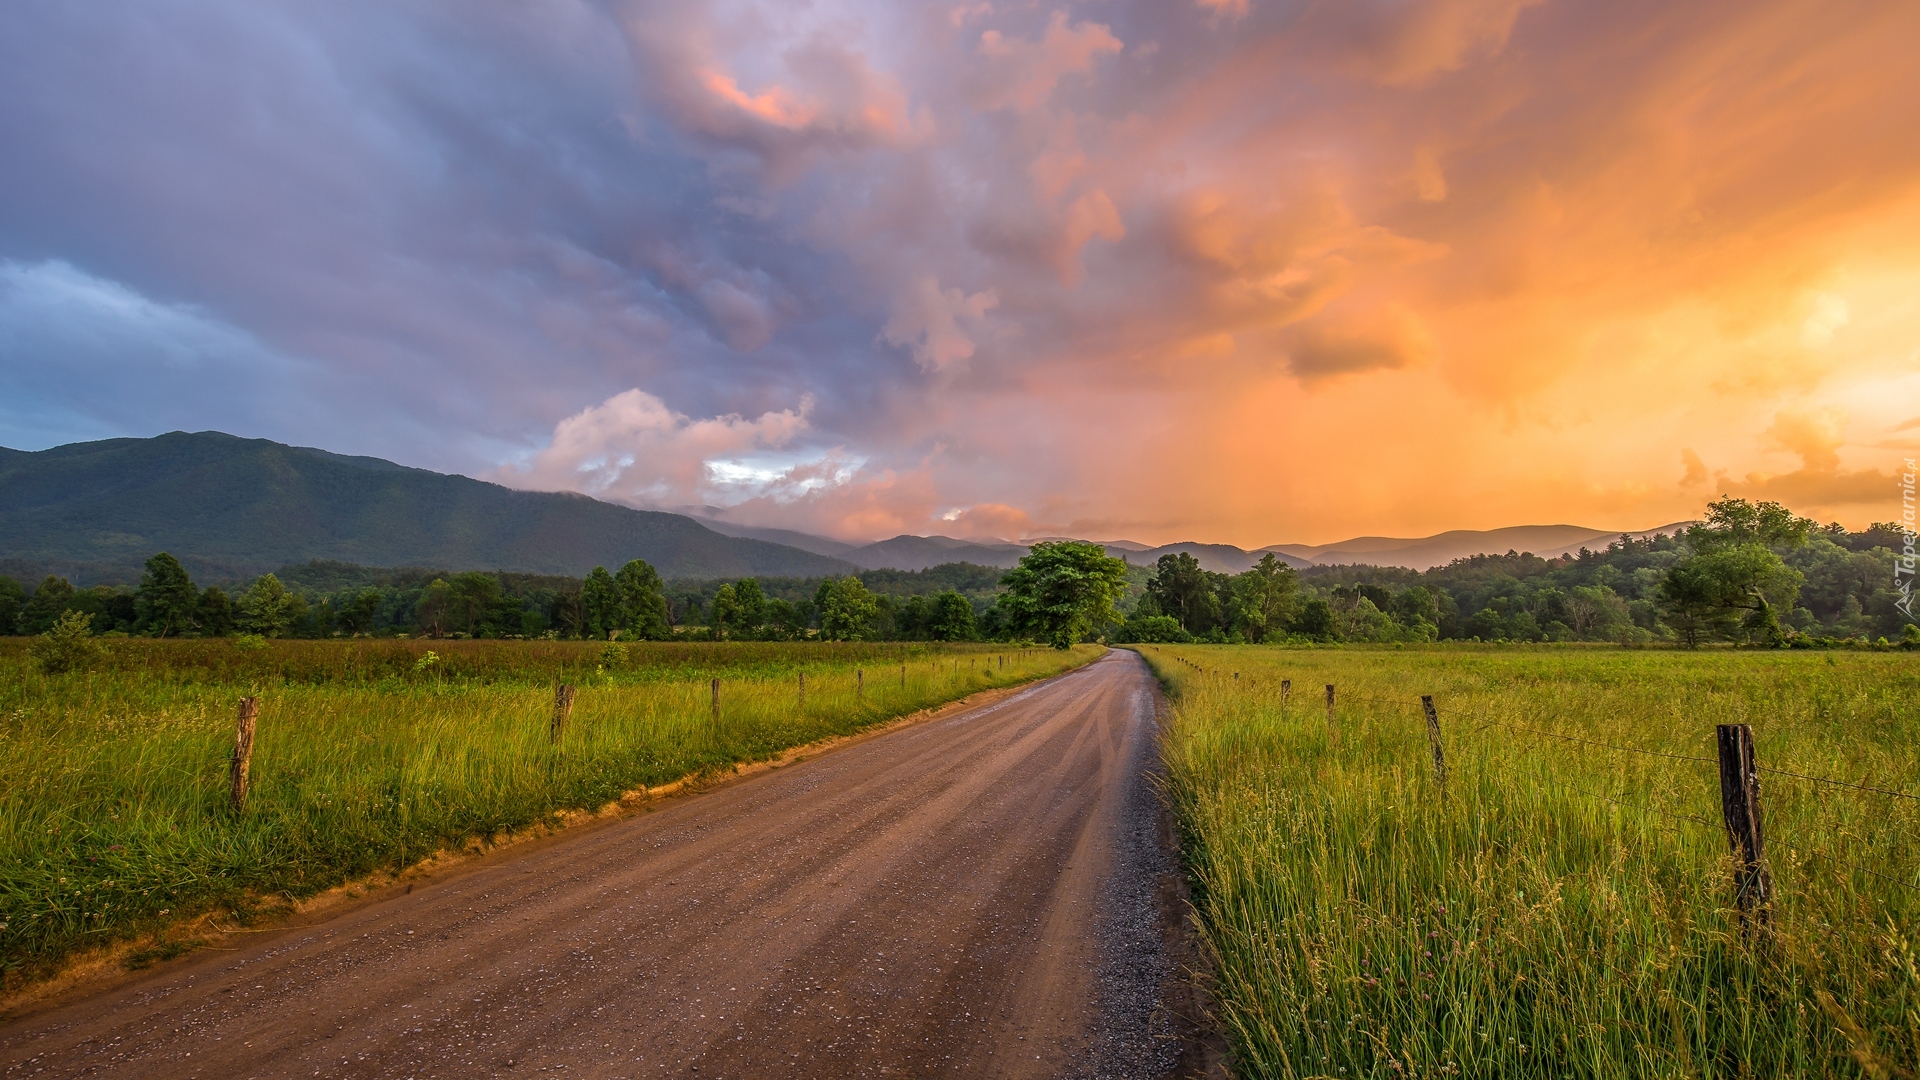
{"x": 859, "y": 682}
{"x": 803, "y": 688}
{"x": 1740, "y": 807}
{"x": 1333, "y": 726}
{"x": 562, "y": 708}
{"x": 1433, "y": 738}
{"x": 716, "y": 701}
{"x": 1286, "y": 691}
{"x": 242, "y": 753}
{"x": 903, "y": 676}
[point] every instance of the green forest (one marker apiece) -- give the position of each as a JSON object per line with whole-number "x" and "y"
{"x": 1750, "y": 573}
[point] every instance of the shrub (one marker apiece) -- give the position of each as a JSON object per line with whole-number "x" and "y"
{"x": 68, "y": 645}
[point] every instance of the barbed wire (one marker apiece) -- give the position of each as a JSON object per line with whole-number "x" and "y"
{"x": 1487, "y": 721}
{"x": 1632, "y": 806}
{"x": 1838, "y": 783}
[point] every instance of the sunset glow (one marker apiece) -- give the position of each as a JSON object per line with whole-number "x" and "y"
{"x": 1228, "y": 270}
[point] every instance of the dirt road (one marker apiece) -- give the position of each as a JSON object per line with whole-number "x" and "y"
{"x": 985, "y": 894}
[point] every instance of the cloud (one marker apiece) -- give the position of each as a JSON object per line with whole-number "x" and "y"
{"x": 996, "y": 521}
{"x": 1820, "y": 484}
{"x": 926, "y": 320}
{"x": 1022, "y": 74}
{"x": 1384, "y": 340}
{"x": 1816, "y": 435}
{"x": 1231, "y": 9}
{"x": 634, "y": 449}
{"x": 1696, "y": 473}
{"x": 83, "y": 356}
{"x": 1568, "y": 239}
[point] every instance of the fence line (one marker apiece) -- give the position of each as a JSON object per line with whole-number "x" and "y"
{"x": 1777, "y": 836}
{"x": 1348, "y": 695}
{"x": 1839, "y": 783}
{"x": 1631, "y": 806}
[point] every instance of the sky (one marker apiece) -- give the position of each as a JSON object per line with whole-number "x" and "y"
{"x": 1242, "y": 271}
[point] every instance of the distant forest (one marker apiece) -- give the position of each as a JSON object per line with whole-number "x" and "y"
{"x": 328, "y": 599}
{"x": 1752, "y": 573}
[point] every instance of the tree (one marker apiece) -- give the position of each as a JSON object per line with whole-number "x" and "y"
{"x": 164, "y": 602}
{"x": 53, "y": 598}
{"x": 214, "y": 612}
{"x": 1062, "y": 591}
{"x": 847, "y": 610}
{"x": 1729, "y": 591}
{"x": 1314, "y": 620}
{"x": 726, "y": 612}
{"x": 600, "y": 604}
{"x": 749, "y": 608}
{"x": 1732, "y": 522}
{"x": 950, "y": 617}
{"x": 12, "y": 598}
{"x": 1594, "y": 610}
{"x": 470, "y": 598}
{"x": 269, "y": 608}
{"x": 357, "y": 614}
{"x": 643, "y": 601}
{"x": 1182, "y": 589}
{"x": 788, "y": 620}
{"x": 67, "y": 645}
{"x": 1267, "y": 595}
{"x": 434, "y": 612}
{"x": 1153, "y": 629}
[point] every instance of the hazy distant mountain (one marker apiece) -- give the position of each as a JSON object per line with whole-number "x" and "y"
{"x": 920, "y": 552}
{"x": 232, "y": 508}
{"x": 1426, "y": 552}
{"x": 819, "y": 545}
{"x": 908, "y": 552}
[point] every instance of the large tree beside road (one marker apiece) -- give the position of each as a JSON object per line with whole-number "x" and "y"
{"x": 1061, "y": 592}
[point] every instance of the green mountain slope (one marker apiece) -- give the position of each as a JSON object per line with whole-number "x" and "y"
{"x": 231, "y": 508}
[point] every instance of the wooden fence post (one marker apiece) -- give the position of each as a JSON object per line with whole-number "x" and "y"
{"x": 1740, "y": 808}
{"x": 903, "y": 676}
{"x": 1286, "y": 691}
{"x": 803, "y": 688}
{"x": 859, "y": 682}
{"x": 1333, "y": 726}
{"x": 562, "y": 708}
{"x": 1433, "y": 738}
{"x": 242, "y": 753}
{"x": 716, "y": 701}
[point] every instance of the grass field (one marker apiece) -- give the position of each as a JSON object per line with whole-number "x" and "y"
{"x": 372, "y": 755}
{"x": 1562, "y": 908}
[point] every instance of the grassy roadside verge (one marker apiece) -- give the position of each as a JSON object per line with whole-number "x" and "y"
{"x": 371, "y": 756}
{"x": 1561, "y": 909}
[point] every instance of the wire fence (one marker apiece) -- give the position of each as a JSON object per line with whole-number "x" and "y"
{"x": 1778, "y": 835}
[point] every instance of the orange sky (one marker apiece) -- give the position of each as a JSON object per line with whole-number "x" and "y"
{"x": 1453, "y": 264}
{"x": 1253, "y": 271}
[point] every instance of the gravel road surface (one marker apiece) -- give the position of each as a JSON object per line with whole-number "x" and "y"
{"x": 988, "y": 893}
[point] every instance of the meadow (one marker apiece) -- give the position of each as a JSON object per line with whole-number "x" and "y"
{"x": 371, "y": 755}
{"x": 1563, "y": 904}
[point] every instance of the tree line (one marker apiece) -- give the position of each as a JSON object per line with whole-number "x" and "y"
{"x": 325, "y": 599}
{"x": 1750, "y": 572}
{"x": 1753, "y": 573}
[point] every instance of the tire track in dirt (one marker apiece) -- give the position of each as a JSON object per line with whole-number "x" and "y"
{"x": 986, "y": 894}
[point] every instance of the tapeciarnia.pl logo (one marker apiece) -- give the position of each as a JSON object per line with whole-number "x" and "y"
{"x": 1903, "y": 566}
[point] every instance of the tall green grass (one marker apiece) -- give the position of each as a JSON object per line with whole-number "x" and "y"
{"x": 372, "y": 755}
{"x": 1560, "y": 909}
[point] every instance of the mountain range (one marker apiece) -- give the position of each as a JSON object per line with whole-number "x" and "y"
{"x": 231, "y": 508}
